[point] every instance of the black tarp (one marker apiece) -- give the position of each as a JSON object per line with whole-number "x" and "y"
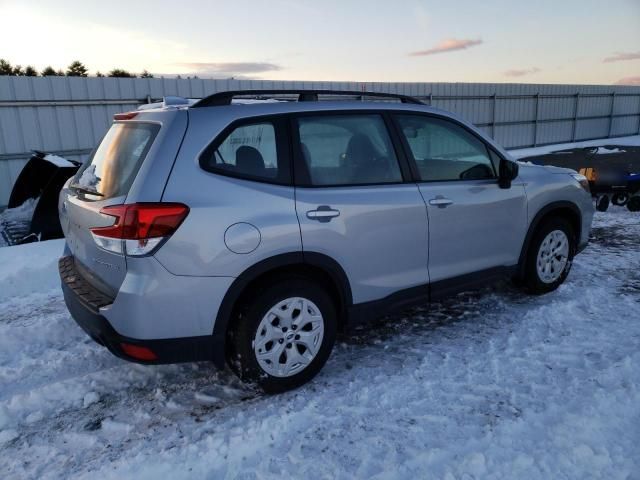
{"x": 42, "y": 178}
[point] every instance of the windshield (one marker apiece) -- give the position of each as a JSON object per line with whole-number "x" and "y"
{"x": 114, "y": 165}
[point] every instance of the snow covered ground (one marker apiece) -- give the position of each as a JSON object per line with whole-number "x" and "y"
{"x": 495, "y": 384}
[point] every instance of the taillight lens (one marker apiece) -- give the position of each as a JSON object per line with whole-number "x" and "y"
{"x": 139, "y": 228}
{"x": 138, "y": 352}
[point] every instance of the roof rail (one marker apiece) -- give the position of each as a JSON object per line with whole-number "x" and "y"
{"x": 304, "y": 95}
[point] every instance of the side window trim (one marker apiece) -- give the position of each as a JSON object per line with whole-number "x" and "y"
{"x": 409, "y": 154}
{"x": 282, "y": 134}
{"x": 301, "y": 175}
{"x": 395, "y": 137}
{"x": 403, "y": 146}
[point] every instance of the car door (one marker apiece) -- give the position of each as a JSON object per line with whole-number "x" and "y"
{"x": 354, "y": 205}
{"x": 474, "y": 225}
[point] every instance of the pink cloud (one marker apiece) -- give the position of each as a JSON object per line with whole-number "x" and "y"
{"x": 622, "y": 56}
{"x": 521, "y": 73}
{"x": 448, "y": 45}
{"x": 230, "y": 68}
{"x": 629, "y": 81}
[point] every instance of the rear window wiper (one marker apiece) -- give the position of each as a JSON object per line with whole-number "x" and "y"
{"x": 83, "y": 189}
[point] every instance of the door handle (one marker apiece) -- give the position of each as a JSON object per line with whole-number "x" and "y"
{"x": 323, "y": 214}
{"x": 440, "y": 201}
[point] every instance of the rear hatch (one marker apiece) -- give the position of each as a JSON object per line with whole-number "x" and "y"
{"x": 104, "y": 180}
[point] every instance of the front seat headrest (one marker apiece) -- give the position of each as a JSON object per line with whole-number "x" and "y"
{"x": 360, "y": 150}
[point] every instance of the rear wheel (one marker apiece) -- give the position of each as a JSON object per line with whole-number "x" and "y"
{"x": 550, "y": 255}
{"x": 283, "y": 338}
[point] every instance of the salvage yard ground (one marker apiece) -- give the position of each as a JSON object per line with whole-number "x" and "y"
{"x": 491, "y": 384}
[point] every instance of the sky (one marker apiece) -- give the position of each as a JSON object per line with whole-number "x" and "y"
{"x": 561, "y": 41}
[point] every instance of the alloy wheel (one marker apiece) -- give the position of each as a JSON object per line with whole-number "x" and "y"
{"x": 289, "y": 337}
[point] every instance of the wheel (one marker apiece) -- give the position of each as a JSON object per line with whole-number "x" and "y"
{"x": 620, "y": 199}
{"x": 550, "y": 255}
{"x": 283, "y": 336}
{"x": 602, "y": 203}
{"x": 634, "y": 204}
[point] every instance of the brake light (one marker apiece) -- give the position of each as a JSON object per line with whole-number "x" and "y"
{"x": 125, "y": 115}
{"x": 139, "y": 228}
{"x": 138, "y": 352}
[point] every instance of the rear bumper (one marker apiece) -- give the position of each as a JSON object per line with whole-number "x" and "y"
{"x": 84, "y": 304}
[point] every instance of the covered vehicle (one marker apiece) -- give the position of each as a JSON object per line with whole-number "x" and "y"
{"x": 607, "y": 168}
{"x": 32, "y": 212}
{"x": 611, "y": 185}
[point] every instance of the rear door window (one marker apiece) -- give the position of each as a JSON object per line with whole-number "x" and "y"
{"x": 352, "y": 149}
{"x": 115, "y": 163}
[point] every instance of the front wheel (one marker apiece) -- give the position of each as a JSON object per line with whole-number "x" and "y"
{"x": 550, "y": 255}
{"x": 284, "y": 336}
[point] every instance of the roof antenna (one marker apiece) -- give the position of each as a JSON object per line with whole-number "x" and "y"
{"x": 172, "y": 101}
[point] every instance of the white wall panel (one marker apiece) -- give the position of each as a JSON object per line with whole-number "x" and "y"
{"x": 76, "y": 127}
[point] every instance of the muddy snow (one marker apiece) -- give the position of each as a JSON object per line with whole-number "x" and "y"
{"x": 491, "y": 384}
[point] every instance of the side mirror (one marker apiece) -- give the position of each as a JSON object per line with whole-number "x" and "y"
{"x": 508, "y": 172}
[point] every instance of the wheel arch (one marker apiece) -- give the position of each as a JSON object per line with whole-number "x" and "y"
{"x": 317, "y": 266}
{"x": 563, "y": 209}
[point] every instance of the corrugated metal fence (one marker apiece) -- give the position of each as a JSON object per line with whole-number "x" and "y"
{"x": 69, "y": 115}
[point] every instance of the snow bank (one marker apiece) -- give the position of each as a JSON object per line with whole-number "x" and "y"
{"x": 29, "y": 268}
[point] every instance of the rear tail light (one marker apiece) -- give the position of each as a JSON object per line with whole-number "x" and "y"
{"x": 140, "y": 228}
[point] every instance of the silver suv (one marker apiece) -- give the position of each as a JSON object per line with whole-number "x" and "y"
{"x": 250, "y": 232}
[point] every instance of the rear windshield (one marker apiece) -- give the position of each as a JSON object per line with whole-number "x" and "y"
{"x": 114, "y": 165}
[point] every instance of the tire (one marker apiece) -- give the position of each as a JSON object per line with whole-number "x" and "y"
{"x": 602, "y": 203}
{"x": 553, "y": 269}
{"x": 282, "y": 367}
{"x": 633, "y": 205}
{"x": 620, "y": 199}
